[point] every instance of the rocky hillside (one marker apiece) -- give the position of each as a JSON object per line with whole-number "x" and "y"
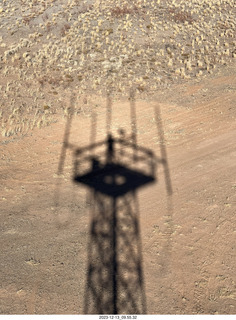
{"x": 50, "y": 47}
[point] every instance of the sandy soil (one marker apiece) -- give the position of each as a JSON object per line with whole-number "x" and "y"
{"x": 187, "y": 235}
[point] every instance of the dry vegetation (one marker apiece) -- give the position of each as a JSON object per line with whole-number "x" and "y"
{"x": 48, "y": 47}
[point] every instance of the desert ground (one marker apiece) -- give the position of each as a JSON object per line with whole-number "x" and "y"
{"x": 160, "y": 77}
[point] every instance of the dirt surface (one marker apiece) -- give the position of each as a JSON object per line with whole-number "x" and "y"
{"x": 150, "y": 226}
{"x": 187, "y": 218}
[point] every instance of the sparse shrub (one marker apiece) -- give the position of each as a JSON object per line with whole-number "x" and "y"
{"x": 181, "y": 16}
{"x": 26, "y": 19}
{"x": 85, "y": 8}
{"x": 69, "y": 78}
{"x": 45, "y": 17}
{"x": 55, "y": 81}
{"x": 48, "y": 26}
{"x": 65, "y": 29}
{"x": 121, "y": 11}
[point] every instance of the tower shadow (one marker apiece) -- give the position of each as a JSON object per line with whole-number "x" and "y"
{"x": 114, "y": 175}
{"x": 114, "y": 170}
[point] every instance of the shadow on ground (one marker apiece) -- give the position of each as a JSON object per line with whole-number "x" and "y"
{"x": 114, "y": 170}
